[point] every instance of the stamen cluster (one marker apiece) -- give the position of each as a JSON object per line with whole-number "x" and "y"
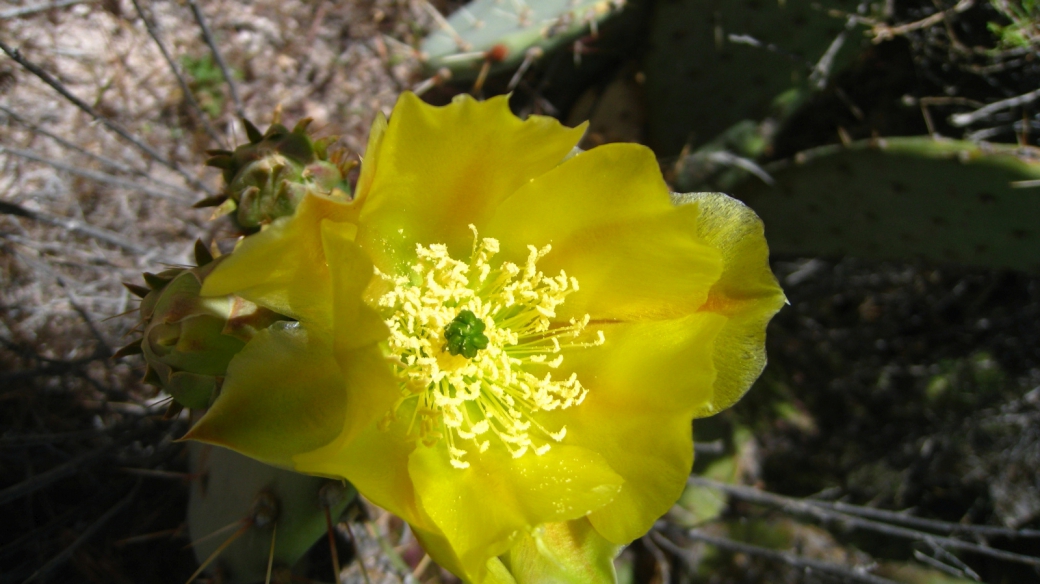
{"x": 491, "y": 391}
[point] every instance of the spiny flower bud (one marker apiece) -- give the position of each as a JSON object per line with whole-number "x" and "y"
{"x": 187, "y": 340}
{"x": 268, "y": 177}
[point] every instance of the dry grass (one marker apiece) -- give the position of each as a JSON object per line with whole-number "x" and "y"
{"x": 84, "y": 210}
{"x": 326, "y": 61}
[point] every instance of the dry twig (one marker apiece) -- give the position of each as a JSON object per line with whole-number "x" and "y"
{"x": 188, "y": 95}
{"x": 819, "y": 510}
{"x": 795, "y": 561}
{"x": 218, "y": 57}
{"x": 111, "y": 125}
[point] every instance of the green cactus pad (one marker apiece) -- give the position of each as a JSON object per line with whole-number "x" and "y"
{"x": 699, "y": 82}
{"x": 503, "y": 31}
{"x": 905, "y": 198}
{"x": 227, "y": 486}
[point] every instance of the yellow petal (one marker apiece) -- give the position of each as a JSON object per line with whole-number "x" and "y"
{"x": 611, "y": 223}
{"x": 284, "y": 267}
{"x": 354, "y": 323}
{"x": 376, "y": 462}
{"x": 439, "y": 549}
{"x": 497, "y": 573}
{"x": 371, "y": 160}
{"x": 571, "y": 552}
{"x": 481, "y": 509}
{"x": 283, "y": 394}
{"x": 644, "y": 385}
{"x": 442, "y": 168}
{"x": 747, "y": 293}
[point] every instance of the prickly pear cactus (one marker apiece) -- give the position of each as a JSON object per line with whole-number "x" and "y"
{"x": 264, "y": 504}
{"x": 268, "y": 177}
{"x": 905, "y": 198}
{"x": 701, "y": 81}
{"x": 187, "y": 341}
{"x": 503, "y": 33}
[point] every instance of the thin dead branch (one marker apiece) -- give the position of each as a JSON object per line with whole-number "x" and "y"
{"x": 218, "y": 57}
{"x": 74, "y": 226}
{"x": 111, "y": 125}
{"x": 100, "y": 522}
{"x": 845, "y": 573}
{"x": 819, "y": 510}
{"x": 961, "y": 120}
{"x": 93, "y": 175}
{"x": 200, "y": 114}
{"x": 46, "y": 478}
{"x": 42, "y": 7}
{"x": 115, "y": 165}
{"x": 883, "y": 32}
{"x": 25, "y": 440}
{"x": 104, "y": 349}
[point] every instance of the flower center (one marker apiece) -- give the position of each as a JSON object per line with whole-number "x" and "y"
{"x": 465, "y": 335}
{"x": 466, "y": 341}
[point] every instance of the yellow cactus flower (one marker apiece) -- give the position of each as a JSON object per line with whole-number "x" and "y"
{"x": 499, "y": 340}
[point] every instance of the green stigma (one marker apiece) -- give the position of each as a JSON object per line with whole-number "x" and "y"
{"x": 465, "y": 335}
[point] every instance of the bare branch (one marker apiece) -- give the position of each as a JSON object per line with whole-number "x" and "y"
{"x": 66, "y": 553}
{"x": 72, "y": 225}
{"x": 188, "y": 95}
{"x": 111, "y": 125}
{"x": 93, "y": 175}
{"x": 103, "y": 349}
{"x": 746, "y": 39}
{"x": 961, "y": 120}
{"x": 795, "y": 561}
{"x": 931, "y": 524}
{"x": 35, "y": 8}
{"x": 218, "y": 57}
{"x": 25, "y": 440}
{"x": 818, "y": 510}
{"x": 104, "y": 160}
{"x": 883, "y": 32}
{"x": 890, "y": 516}
{"x": 944, "y": 567}
{"x": 822, "y": 70}
{"x": 37, "y": 482}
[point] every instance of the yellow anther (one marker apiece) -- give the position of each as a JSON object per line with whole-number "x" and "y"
{"x": 495, "y": 392}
